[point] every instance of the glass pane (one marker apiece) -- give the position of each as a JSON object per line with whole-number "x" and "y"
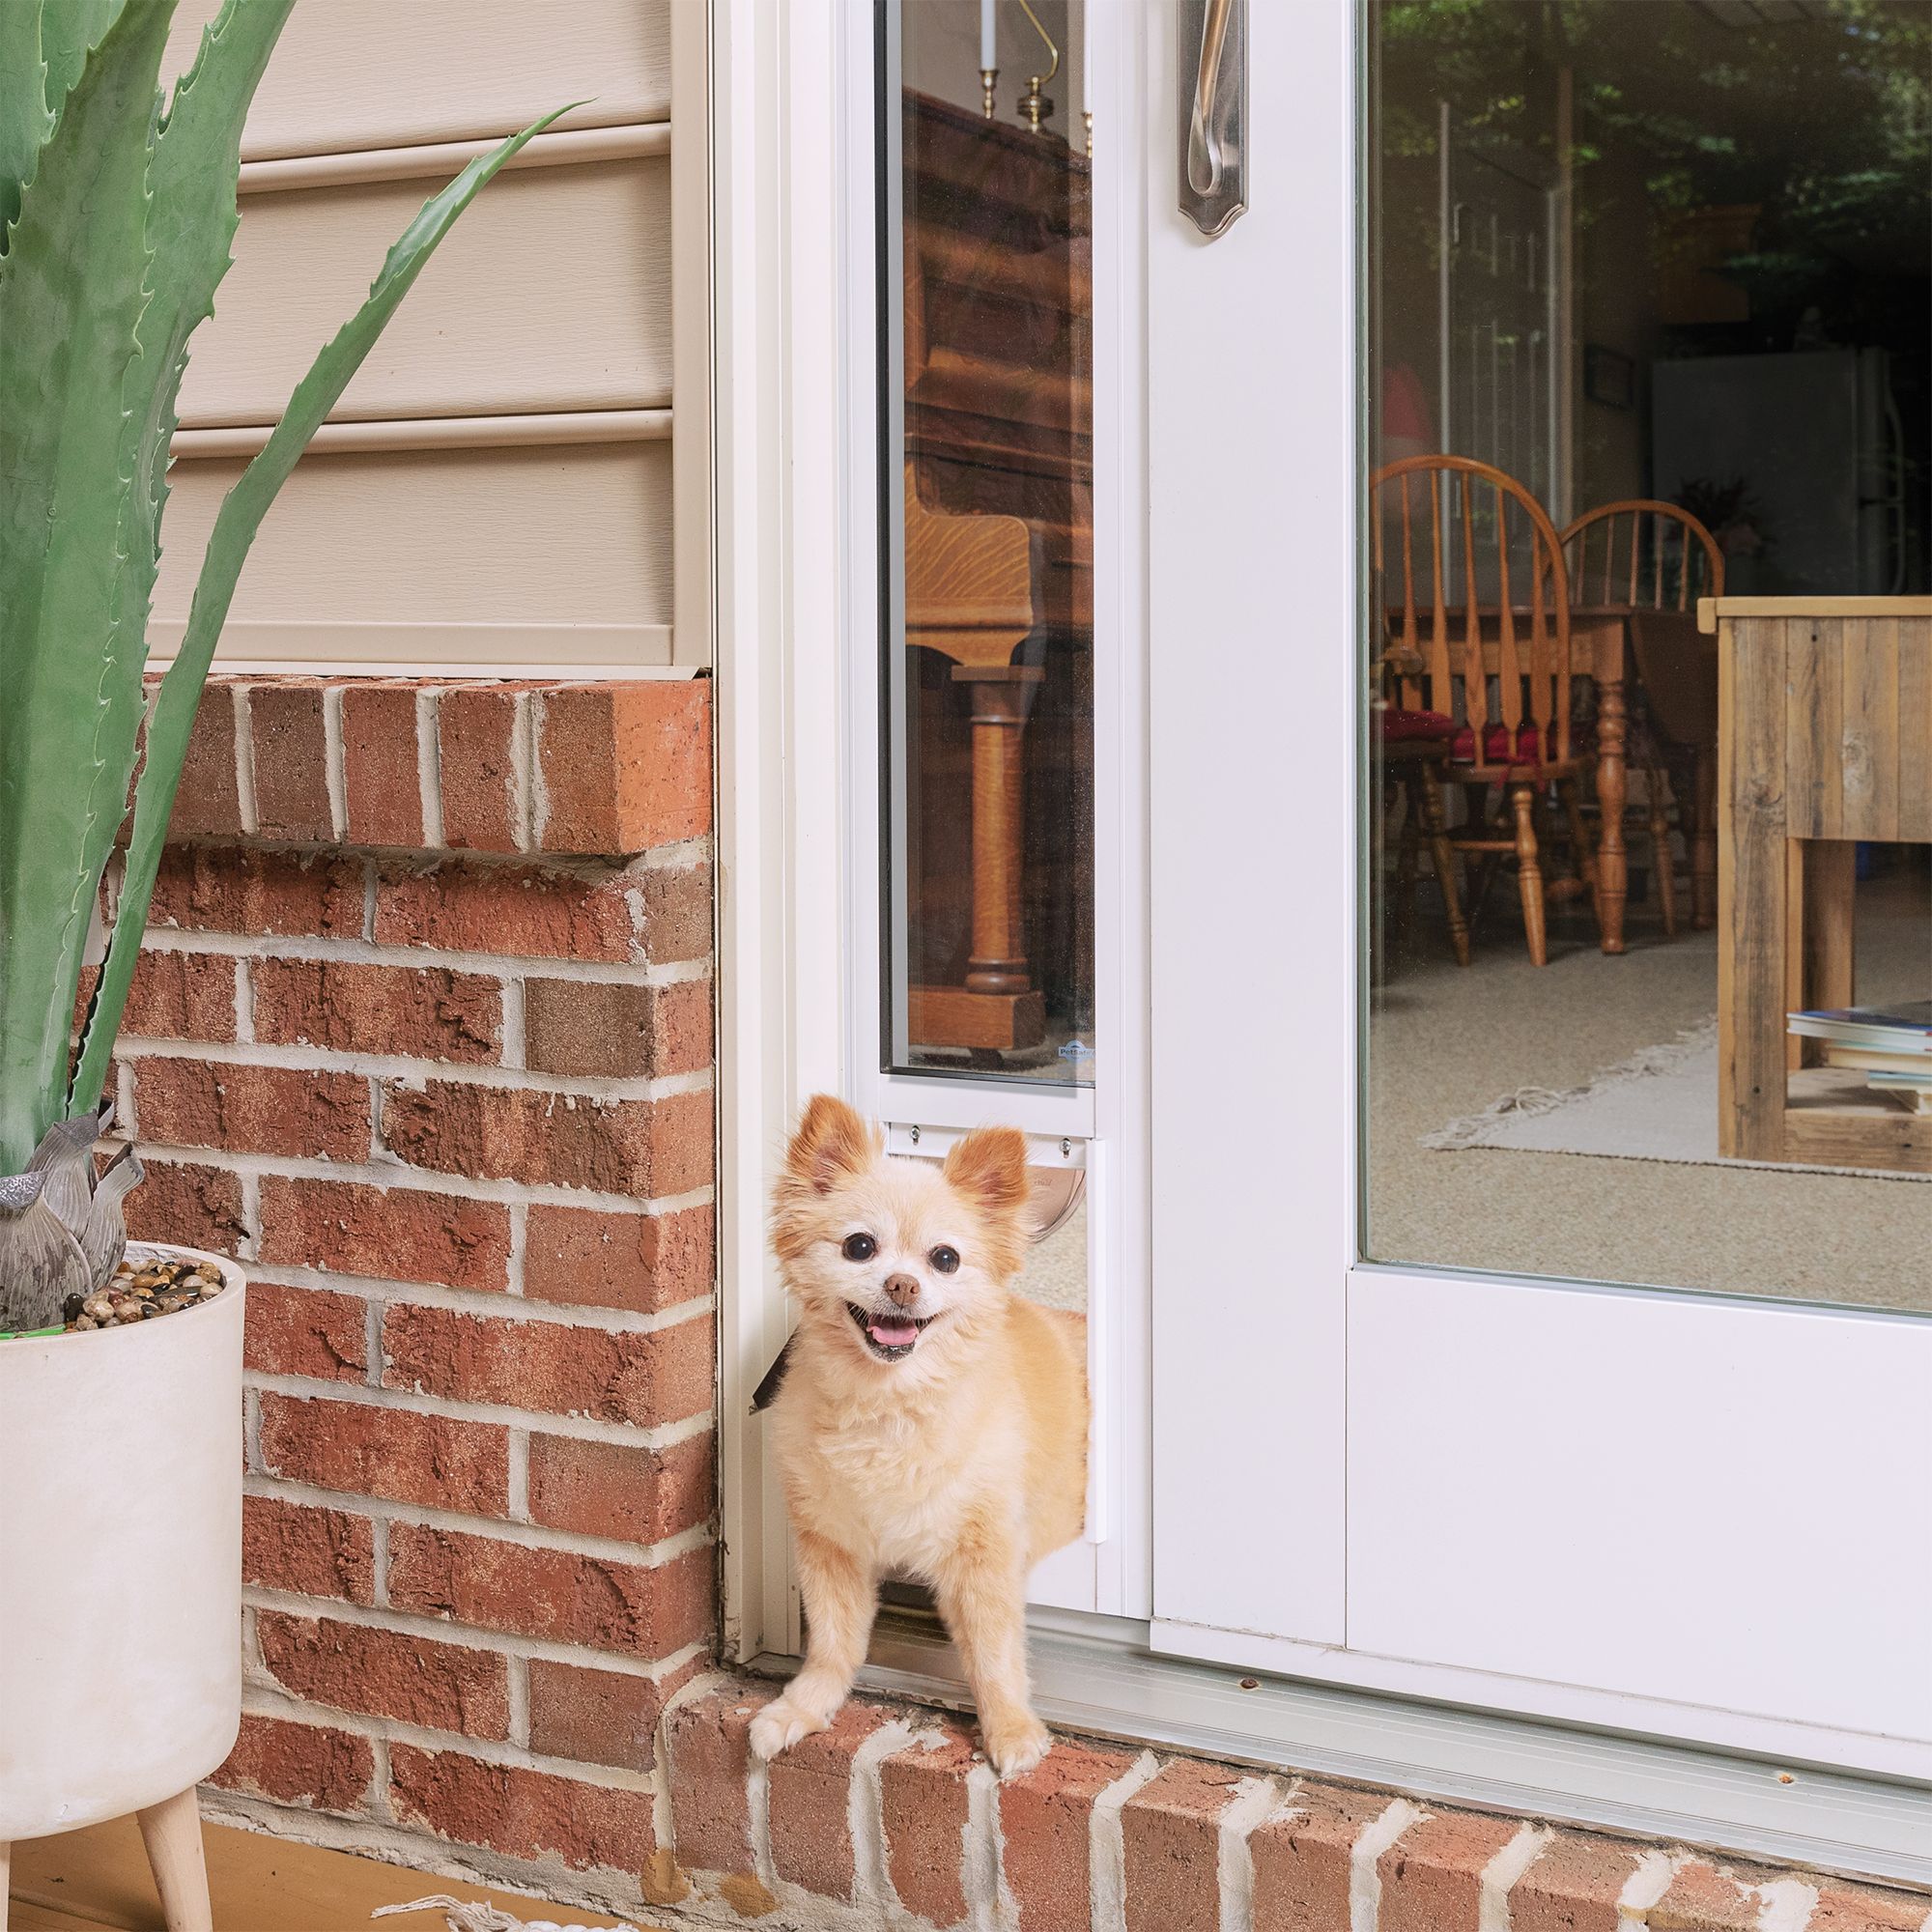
{"x": 1650, "y": 292}
{"x": 987, "y": 432}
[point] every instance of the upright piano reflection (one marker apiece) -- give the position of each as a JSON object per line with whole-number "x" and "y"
{"x": 998, "y": 523}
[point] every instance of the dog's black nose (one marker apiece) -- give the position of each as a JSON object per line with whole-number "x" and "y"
{"x": 903, "y": 1289}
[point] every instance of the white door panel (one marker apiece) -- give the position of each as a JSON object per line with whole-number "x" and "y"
{"x": 1251, "y": 464}
{"x": 1645, "y": 1510}
{"x": 1673, "y": 1499}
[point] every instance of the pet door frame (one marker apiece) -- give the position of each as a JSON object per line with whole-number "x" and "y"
{"x": 1102, "y": 1126}
{"x": 1391, "y": 1694}
{"x": 795, "y": 452}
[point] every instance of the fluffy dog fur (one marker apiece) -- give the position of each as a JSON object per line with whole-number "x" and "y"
{"x": 960, "y": 1459}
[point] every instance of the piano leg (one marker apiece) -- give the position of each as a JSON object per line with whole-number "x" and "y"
{"x": 1002, "y": 696}
{"x": 998, "y": 1008}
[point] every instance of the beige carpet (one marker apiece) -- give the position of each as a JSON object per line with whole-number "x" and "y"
{"x": 1447, "y": 1043}
{"x": 1056, "y": 1268}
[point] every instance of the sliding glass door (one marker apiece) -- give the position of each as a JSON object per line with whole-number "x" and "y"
{"x": 1541, "y": 882}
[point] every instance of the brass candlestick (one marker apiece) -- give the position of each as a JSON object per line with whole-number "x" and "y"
{"x": 1035, "y": 106}
{"x": 1087, "y": 117}
{"x": 989, "y": 79}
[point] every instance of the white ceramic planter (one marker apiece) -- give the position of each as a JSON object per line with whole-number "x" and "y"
{"x": 119, "y": 1562}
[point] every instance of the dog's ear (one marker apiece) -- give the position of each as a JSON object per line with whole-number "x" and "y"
{"x": 989, "y": 1167}
{"x": 832, "y": 1144}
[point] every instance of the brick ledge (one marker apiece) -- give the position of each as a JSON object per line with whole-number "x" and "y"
{"x": 1103, "y": 1837}
{"x": 609, "y": 769}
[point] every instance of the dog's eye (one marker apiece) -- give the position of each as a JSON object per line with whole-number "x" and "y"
{"x": 945, "y": 1260}
{"x": 859, "y": 1247}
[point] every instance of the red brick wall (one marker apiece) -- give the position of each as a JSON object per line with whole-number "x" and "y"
{"x": 424, "y": 1037}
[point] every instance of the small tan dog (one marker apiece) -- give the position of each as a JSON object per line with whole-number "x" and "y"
{"x": 929, "y": 1422}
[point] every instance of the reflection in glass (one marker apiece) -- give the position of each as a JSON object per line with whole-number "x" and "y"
{"x": 986, "y": 413}
{"x": 1650, "y": 297}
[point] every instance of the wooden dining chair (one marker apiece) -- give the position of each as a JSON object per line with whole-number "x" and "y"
{"x": 1411, "y": 753}
{"x": 1646, "y": 556}
{"x": 1473, "y": 589}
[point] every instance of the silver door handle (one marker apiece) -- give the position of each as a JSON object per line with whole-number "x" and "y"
{"x": 1213, "y": 109}
{"x": 1204, "y": 150}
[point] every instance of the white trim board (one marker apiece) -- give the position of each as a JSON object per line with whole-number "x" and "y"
{"x": 781, "y": 341}
{"x": 1112, "y": 1687}
{"x": 435, "y": 650}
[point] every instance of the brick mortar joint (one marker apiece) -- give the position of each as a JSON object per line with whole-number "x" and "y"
{"x": 413, "y": 1072}
{"x": 545, "y": 1422}
{"x": 516, "y": 1533}
{"x": 310, "y": 949}
{"x": 386, "y": 1176}
{"x": 258, "y": 1597}
{"x": 261, "y": 1700}
{"x": 674, "y": 855}
{"x": 491, "y": 1304}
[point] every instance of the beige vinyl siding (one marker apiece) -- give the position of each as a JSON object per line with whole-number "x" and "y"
{"x": 532, "y": 537}
{"x": 497, "y": 486}
{"x": 550, "y": 293}
{"x": 381, "y": 73}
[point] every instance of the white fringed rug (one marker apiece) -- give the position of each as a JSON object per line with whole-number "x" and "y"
{"x": 1659, "y": 1104}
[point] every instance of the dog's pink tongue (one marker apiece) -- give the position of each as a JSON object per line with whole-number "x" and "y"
{"x": 890, "y": 1334}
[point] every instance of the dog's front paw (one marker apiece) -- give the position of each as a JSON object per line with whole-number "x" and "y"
{"x": 1015, "y": 1743}
{"x": 778, "y": 1726}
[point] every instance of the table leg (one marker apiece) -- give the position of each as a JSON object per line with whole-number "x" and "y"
{"x": 1612, "y": 796}
{"x": 1704, "y": 841}
{"x": 1822, "y": 928}
{"x": 1754, "y": 889}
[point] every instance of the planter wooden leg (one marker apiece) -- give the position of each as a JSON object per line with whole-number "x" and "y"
{"x": 171, "y": 1831}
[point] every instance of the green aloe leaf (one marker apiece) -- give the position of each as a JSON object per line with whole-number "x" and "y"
{"x": 69, "y": 28}
{"x": 234, "y": 526}
{"x": 191, "y": 220}
{"x": 24, "y": 119}
{"x": 73, "y": 290}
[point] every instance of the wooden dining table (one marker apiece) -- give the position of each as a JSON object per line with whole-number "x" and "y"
{"x": 1826, "y": 746}
{"x": 1618, "y": 646}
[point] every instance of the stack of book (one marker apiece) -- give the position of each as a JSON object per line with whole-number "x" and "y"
{"x": 1891, "y": 1046}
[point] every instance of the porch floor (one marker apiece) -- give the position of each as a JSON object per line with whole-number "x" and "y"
{"x": 83, "y": 1880}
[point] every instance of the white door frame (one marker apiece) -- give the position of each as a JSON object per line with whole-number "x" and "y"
{"x": 782, "y": 187}
{"x": 1252, "y": 596}
{"x": 1276, "y": 1471}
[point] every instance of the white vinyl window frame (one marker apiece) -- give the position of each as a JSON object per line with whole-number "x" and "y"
{"x": 796, "y": 599}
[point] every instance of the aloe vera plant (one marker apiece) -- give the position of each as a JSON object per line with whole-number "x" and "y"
{"x": 116, "y": 214}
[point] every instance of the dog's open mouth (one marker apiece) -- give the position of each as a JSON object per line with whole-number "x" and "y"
{"x": 890, "y": 1337}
